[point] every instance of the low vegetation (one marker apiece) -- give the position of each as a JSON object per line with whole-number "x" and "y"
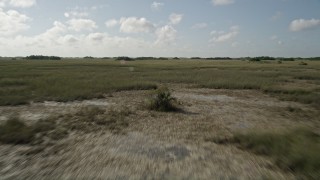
{"x": 297, "y": 150}
{"x": 94, "y": 118}
{"x": 162, "y": 100}
{"x": 23, "y": 82}
{"x": 87, "y": 119}
{"x": 15, "y": 131}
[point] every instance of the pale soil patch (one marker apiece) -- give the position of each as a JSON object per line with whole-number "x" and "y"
{"x": 157, "y": 145}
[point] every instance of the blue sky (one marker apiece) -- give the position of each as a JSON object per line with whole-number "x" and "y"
{"x": 184, "y": 28}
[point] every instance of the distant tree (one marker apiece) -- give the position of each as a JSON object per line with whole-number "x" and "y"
{"x": 124, "y": 58}
{"x": 41, "y": 57}
{"x": 145, "y": 58}
{"x": 88, "y": 57}
{"x": 264, "y": 58}
{"x": 163, "y": 58}
{"x": 255, "y": 59}
{"x": 218, "y": 58}
{"x": 286, "y": 59}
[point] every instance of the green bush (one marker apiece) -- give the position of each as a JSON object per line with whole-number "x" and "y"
{"x": 161, "y": 100}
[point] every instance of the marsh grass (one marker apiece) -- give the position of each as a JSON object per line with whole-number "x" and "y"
{"x": 87, "y": 119}
{"x": 23, "y": 82}
{"x": 297, "y": 150}
{"x": 93, "y": 118}
{"x": 16, "y": 131}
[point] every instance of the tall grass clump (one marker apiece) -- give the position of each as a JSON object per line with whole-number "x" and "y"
{"x": 297, "y": 151}
{"x": 162, "y": 100}
{"x": 15, "y": 131}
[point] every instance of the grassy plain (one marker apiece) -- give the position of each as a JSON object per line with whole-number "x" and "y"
{"x": 23, "y": 82}
{"x": 217, "y": 99}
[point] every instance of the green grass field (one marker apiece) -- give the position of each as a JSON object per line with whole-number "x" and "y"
{"x": 23, "y": 81}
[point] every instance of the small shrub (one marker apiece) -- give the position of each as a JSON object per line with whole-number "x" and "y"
{"x": 303, "y": 63}
{"x": 161, "y": 100}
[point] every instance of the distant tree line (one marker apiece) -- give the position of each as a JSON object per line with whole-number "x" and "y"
{"x": 264, "y": 58}
{"x": 151, "y": 58}
{"x": 40, "y": 57}
{"x": 313, "y": 58}
{"x": 126, "y": 58}
{"x": 218, "y": 58}
{"x": 88, "y": 57}
{"x": 212, "y": 58}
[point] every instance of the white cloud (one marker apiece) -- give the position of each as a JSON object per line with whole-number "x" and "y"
{"x": 219, "y": 37}
{"x": 12, "y": 22}
{"x": 222, "y": 2}
{"x": 70, "y": 39}
{"x": 175, "y": 18}
{"x": 82, "y": 24}
{"x": 166, "y": 35}
{"x": 51, "y": 34}
{"x": 111, "y": 23}
{"x": 200, "y": 26}
{"x": 98, "y": 37}
{"x": 303, "y": 24}
{"x": 55, "y": 42}
{"x": 2, "y": 3}
{"x": 76, "y": 14}
{"x": 216, "y": 32}
{"x": 23, "y": 3}
{"x": 156, "y": 5}
{"x": 135, "y": 25}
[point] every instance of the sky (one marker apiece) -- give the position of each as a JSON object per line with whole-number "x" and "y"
{"x": 162, "y": 28}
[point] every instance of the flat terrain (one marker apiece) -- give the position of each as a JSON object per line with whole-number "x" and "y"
{"x": 103, "y": 129}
